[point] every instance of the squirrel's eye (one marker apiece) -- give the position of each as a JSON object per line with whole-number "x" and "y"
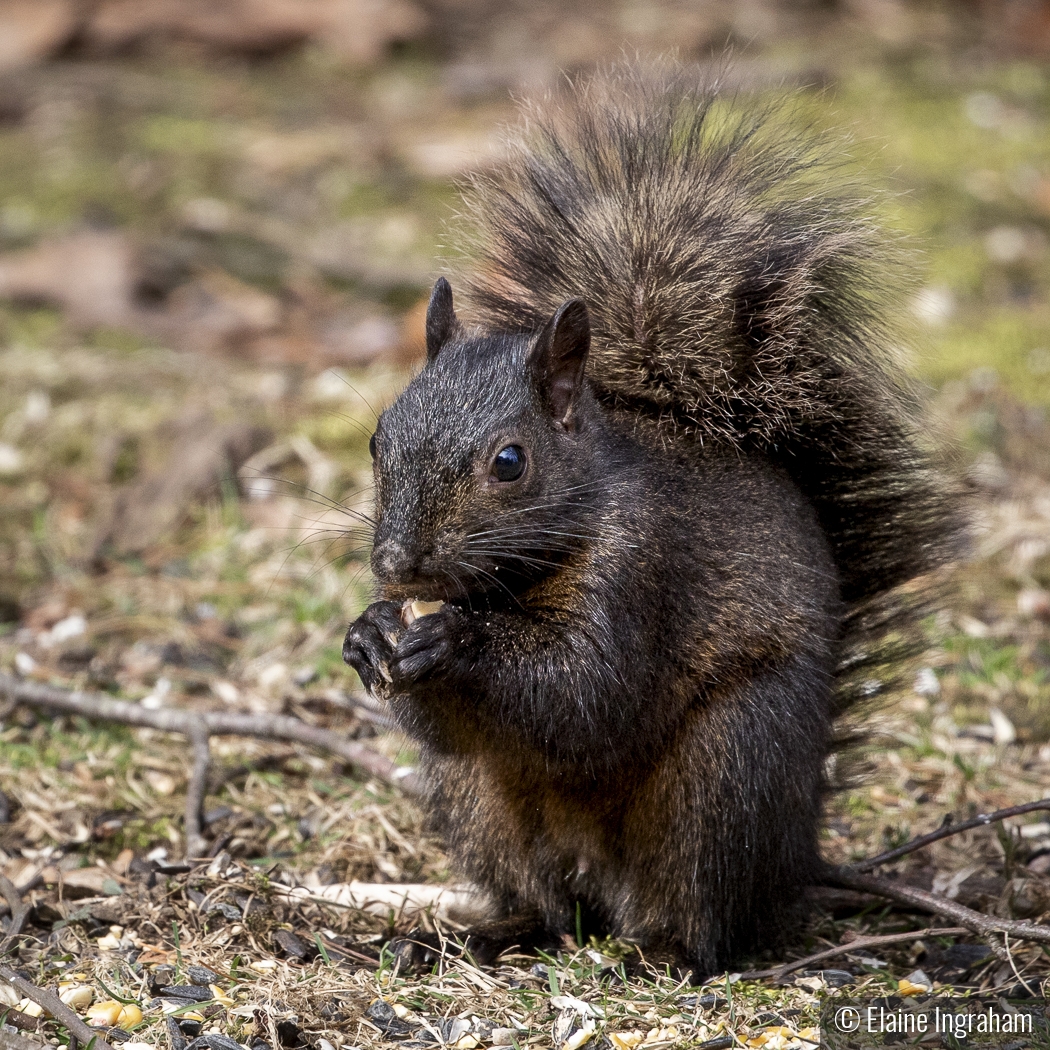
{"x": 372, "y": 446}
{"x": 509, "y": 464}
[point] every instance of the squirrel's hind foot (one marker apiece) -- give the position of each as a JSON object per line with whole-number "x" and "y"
{"x": 658, "y": 960}
{"x": 483, "y": 943}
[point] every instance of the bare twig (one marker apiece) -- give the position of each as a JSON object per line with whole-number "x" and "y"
{"x": 15, "y": 1018}
{"x": 361, "y": 698}
{"x": 988, "y": 927}
{"x": 361, "y": 704}
{"x": 943, "y": 832}
{"x": 195, "y": 790}
{"x": 365, "y": 960}
{"x": 215, "y": 723}
{"x": 860, "y": 944}
{"x": 462, "y": 903}
{"x": 365, "y": 704}
{"x": 19, "y": 912}
{"x": 56, "y": 1008}
{"x": 377, "y": 718}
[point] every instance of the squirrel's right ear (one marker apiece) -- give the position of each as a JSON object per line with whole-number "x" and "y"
{"x": 558, "y": 357}
{"x": 441, "y": 318}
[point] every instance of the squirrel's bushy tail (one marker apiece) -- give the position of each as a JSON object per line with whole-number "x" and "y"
{"x": 736, "y": 291}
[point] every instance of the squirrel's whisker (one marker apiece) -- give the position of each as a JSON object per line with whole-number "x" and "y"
{"x": 511, "y": 556}
{"x": 478, "y": 571}
{"x": 313, "y": 496}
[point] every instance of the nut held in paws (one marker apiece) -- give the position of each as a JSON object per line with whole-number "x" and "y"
{"x": 412, "y": 611}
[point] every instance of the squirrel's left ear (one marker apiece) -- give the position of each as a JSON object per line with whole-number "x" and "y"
{"x": 558, "y": 357}
{"x": 441, "y": 317}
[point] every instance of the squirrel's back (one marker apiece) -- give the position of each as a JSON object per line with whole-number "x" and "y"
{"x": 736, "y": 291}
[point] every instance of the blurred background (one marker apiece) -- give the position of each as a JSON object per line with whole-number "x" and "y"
{"x": 219, "y": 221}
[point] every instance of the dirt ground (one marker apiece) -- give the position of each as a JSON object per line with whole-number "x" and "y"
{"x": 218, "y": 226}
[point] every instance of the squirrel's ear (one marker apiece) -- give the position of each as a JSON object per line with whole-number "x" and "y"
{"x": 441, "y": 318}
{"x": 558, "y": 357}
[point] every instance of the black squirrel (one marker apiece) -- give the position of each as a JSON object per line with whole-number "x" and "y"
{"x": 668, "y": 490}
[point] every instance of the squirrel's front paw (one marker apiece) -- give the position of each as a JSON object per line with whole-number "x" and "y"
{"x": 428, "y": 647}
{"x": 370, "y": 641}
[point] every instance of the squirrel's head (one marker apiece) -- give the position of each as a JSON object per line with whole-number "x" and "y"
{"x": 480, "y": 471}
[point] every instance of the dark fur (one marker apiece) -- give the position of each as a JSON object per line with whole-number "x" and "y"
{"x": 627, "y": 703}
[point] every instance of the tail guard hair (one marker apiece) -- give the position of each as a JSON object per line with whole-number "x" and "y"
{"x": 736, "y": 291}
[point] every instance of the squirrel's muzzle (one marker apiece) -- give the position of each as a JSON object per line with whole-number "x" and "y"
{"x": 393, "y": 563}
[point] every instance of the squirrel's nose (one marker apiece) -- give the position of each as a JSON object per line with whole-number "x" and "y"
{"x": 391, "y": 561}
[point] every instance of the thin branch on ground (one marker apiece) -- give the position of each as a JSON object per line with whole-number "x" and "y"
{"x": 342, "y": 949}
{"x": 463, "y": 901}
{"x": 56, "y": 1008}
{"x": 19, "y": 912}
{"x": 943, "y": 832}
{"x": 988, "y": 927}
{"x": 362, "y": 698}
{"x": 215, "y": 723}
{"x": 195, "y": 791}
{"x": 376, "y": 718}
{"x": 362, "y": 705}
{"x": 858, "y": 944}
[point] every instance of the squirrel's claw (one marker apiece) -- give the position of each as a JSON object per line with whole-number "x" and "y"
{"x": 425, "y": 648}
{"x": 370, "y": 641}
